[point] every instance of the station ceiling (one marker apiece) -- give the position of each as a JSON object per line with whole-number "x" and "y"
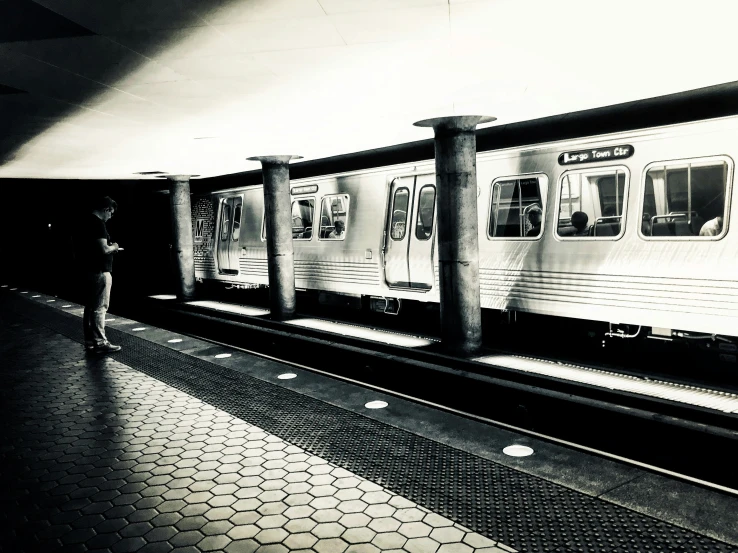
{"x": 108, "y": 89}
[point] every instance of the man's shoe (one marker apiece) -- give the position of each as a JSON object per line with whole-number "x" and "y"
{"x": 107, "y": 348}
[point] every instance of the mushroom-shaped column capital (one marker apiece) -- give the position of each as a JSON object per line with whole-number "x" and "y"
{"x": 178, "y": 178}
{"x": 274, "y": 160}
{"x": 455, "y": 122}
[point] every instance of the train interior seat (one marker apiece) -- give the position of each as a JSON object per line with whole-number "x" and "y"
{"x": 677, "y": 227}
{"x": 325, "y": 227}
{"x": 606, "y": 229}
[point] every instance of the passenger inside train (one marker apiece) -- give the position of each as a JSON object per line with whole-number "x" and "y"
{"x": 579, "y": 221}
{"x": 684, "y": 196}
{"x": 713, "y": 227}
{"x": 534, "y": 217}
{"x": 338, "y": 230}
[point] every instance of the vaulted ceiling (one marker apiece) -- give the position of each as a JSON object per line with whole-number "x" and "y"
{"x": 107, "y": 89}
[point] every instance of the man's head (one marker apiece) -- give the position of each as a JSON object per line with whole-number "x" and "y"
{"x": 579, "y": 219}
{"x": 104, "y": 208}
{"x": 535, "y": 215}
{"x": 340, "y": 226}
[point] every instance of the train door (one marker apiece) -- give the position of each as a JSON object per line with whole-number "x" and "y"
{"x": 229, "y": 233}
{"x": 408, "y": 248}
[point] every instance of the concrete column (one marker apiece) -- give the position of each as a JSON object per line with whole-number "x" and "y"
{"x": 179, "y": 198}
{"x": 280, "y": 254}
{"x": 458, "y": 235}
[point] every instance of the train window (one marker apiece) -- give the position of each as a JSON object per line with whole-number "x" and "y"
{"x": 686, "y": 199}
{"x": 236, "y": 223}
{"x": 592, "y": 203}
{"x": 302, "y": 219}
{"x": 400, "y": 205}
{"x": 517, "y": 207}
{"x": 426, "y": 208}
{"x": 334, "y": 217}
{"x": 225, "y": 221}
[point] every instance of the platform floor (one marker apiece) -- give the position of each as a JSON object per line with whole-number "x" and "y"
{"x": 175, "y": 444}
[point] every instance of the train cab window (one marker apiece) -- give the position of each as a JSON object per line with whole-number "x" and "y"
{"x": 400, "y": 204}
{"x": 225, "y": 221}
{"x": 236, "y": 223}
{"x": 426, "y": 209}
{"x": 686, "y": 199}
{"x": 302, "y": 219}
{"x": 334, "y": 217}
{"x": 517, "y": 207}
{"x": 592, "y": 203}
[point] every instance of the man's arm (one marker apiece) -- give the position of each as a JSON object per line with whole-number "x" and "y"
{"x": 105, "y": 248}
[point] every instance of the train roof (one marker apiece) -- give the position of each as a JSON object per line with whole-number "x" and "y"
{"x": 683, "y": 107}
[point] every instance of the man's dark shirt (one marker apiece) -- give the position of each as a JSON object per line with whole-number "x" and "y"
{"x": 90, "y": 258}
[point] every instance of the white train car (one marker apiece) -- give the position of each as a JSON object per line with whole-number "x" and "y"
{"x": 635, "y": 229}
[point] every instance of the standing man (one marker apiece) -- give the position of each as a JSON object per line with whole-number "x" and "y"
{"x": 95, "y": 257}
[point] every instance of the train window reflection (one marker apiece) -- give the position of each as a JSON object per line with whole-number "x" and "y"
{"x": 426, "y": 208}
{"x": 592, "y": 203}
{"x": 517, "y": 208}
{"x": 302, "y": 219}
{"x": 686, "y": 199}
{"x": 334, "y": 217}
{"x": 399, "y": 213}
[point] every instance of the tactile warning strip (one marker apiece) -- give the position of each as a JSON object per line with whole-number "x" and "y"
{"x": 523, "y": 511}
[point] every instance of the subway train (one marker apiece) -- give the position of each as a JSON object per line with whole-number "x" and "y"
{"x": 628, "y": 228}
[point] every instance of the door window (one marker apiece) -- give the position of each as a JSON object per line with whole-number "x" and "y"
{"x": 236, "y": 223}
{"x": 399, "y": 213}
{"x": 426, "y": 209}
{"x": 225, "y": 221}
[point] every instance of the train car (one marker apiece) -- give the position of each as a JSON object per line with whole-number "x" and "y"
{"x": 628, "y": 228}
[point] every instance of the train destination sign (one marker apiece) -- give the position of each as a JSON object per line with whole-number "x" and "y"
{"x": 307, "y": 189}
{"x": 596, "y": 154}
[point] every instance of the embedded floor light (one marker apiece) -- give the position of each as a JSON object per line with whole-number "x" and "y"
{"x": 230, "y": 308}
{"x": 222, "y": 355}
{"x": 69, "y": 305}
{"x": 164, "y": 297}
{"x": 174, "y": 341}
{"x": 376, "y": 405}
{"x": 4, "y": 286}
{"x": 14, "y": 288}
{"x": 518, "y": 450}
{"x": 355, "y": 331}
{"x": 109, "y": 320}
{"x": 24, "y": 292}
{"x": 36, "y": 296}
{"x": 287, "y": 376}
{"x": 138, "y": 328}
{"x": 49, "y": 301}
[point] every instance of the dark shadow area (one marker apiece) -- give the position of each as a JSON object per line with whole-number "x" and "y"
{"x": 42, "y": 216}
{"x": 36, "y": 94}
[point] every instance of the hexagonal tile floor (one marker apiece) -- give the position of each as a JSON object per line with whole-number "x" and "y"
{"x": 104, "y": 458}
{"x": 183, "y": 454}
